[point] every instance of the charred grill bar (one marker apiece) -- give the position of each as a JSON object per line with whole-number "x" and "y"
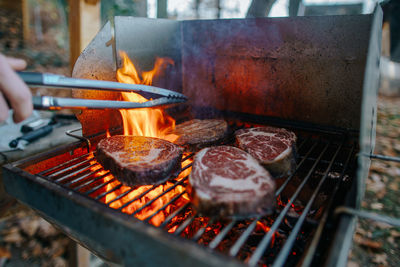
{"x": 311, "y": 75}
{"x": 323, "y": 162}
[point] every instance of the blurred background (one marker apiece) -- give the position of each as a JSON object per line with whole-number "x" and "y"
{"x": 50, "y": 35}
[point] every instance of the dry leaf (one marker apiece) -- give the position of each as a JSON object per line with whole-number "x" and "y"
{"x": 353, "y": 264}
{"x": 394, "y": 186}
{"x": 25, "y": 255}
{"x": 45, "y": 229}
{"x": 59, "y": 262}
{"x": 380, "y": 259}
{"x": 5, "y": 253}
{"x": 366, "y": 242}
{"x": 29, "y": 225}
{"x": 14, "y": 237}
{"x": 377, "y": 206}
{"x": 393, "y": 171}
{"x": 395, "y": 233}
{"x": 57, "y": 249}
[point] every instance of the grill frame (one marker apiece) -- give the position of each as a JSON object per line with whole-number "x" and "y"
{"x": 81, "y": 208}
{"x": 48, "y": 198}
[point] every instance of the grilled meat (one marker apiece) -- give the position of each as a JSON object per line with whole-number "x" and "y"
{"x": 273, "y": 147}
{"x": 196, "y": 134}
{"x": 138, "y": 160}
{"x": 226, "y": 181}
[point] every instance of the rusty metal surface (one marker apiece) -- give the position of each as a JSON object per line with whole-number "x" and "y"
{"x": 343, "y": 241}
{"x": 143, "y": 39}
{"x": 96, "y": 62}
{"x": 307, "y": 69}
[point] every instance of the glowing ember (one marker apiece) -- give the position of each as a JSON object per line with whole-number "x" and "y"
{"x": 152, "y": 122}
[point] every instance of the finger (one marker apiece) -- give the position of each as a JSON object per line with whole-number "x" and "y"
{"x": 16, "y": 63}
{"x": 15, "y": 91}
{"x": 3, "y": 109}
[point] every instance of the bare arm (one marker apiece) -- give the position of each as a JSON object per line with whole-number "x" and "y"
{"x": 13, "y": 90}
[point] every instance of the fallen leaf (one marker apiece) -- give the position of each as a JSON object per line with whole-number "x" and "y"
{"x": 29, "y": 225}
{"x": 395, "y": 233}
{"x": 377, "y": 206}
{"x": 59, "y": 262}
{"x": 45, "y": 229}
{"x": 352, "y": 264}
{"x": 366, "y": 242}
{"x": 14, "y": 238}
{"x": 5, "y": 253}
{"x": 394, "y": 186}
{"x": 382, "y": 225}
{"x": 393, "y": 171}
{"x": 380, "y": 259}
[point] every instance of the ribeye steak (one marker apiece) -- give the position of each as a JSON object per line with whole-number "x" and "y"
{"x": 139, "y": 160}
{"x": 226, "y": 181}
{"x": 273, "y": 147}
{"x": 196, "y": 134}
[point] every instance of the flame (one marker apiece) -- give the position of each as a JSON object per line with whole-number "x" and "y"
{"x": 134, "y": 201}
{"x": 152, "y": 122}
{"x": 145, "y": 202}
{"x": 262, "y": 227}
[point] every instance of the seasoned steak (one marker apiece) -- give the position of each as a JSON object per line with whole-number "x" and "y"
{"x": 195, "y": 134}
{"x": 226, "y": 181}
{"x": 139, "y": 160}
{"x": 273, "y": 147}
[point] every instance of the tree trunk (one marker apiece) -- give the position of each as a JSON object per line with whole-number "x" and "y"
{"x": 259, "y": 8}
{"x": 218, "y": 6}
{"x": 294, "y": 7}
{"x": 162, "y": 9}
{"x": 196, "y": 8}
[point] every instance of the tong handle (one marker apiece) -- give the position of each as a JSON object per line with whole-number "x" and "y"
{"x": 33, "y": 78}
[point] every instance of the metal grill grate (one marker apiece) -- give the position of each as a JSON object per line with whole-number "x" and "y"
{"x": 304, "y": 200}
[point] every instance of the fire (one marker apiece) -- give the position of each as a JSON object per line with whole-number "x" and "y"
{"x": 146, "y": 202}
{"x": 133, "y": 202}
{"x": 152, "y": 122}
{"x": 262, "y": 227}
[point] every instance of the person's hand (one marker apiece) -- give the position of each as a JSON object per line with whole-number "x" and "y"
{"x": 14, "y": 93}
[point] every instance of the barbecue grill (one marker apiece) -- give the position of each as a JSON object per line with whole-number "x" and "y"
{"x": 317, "y": 76}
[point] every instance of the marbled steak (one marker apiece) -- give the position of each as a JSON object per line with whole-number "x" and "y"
{"x": 139, "y": 160}
{"x": 226, "y": 181}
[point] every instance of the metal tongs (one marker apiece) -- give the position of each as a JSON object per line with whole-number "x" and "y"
{"x": 59, "y": 81}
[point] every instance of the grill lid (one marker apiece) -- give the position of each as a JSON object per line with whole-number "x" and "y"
{"x": 307, "y": 69}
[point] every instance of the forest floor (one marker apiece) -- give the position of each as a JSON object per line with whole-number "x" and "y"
{"x": 378, "y": 244}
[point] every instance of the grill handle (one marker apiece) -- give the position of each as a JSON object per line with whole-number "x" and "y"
{"x": 33, "y": 78}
